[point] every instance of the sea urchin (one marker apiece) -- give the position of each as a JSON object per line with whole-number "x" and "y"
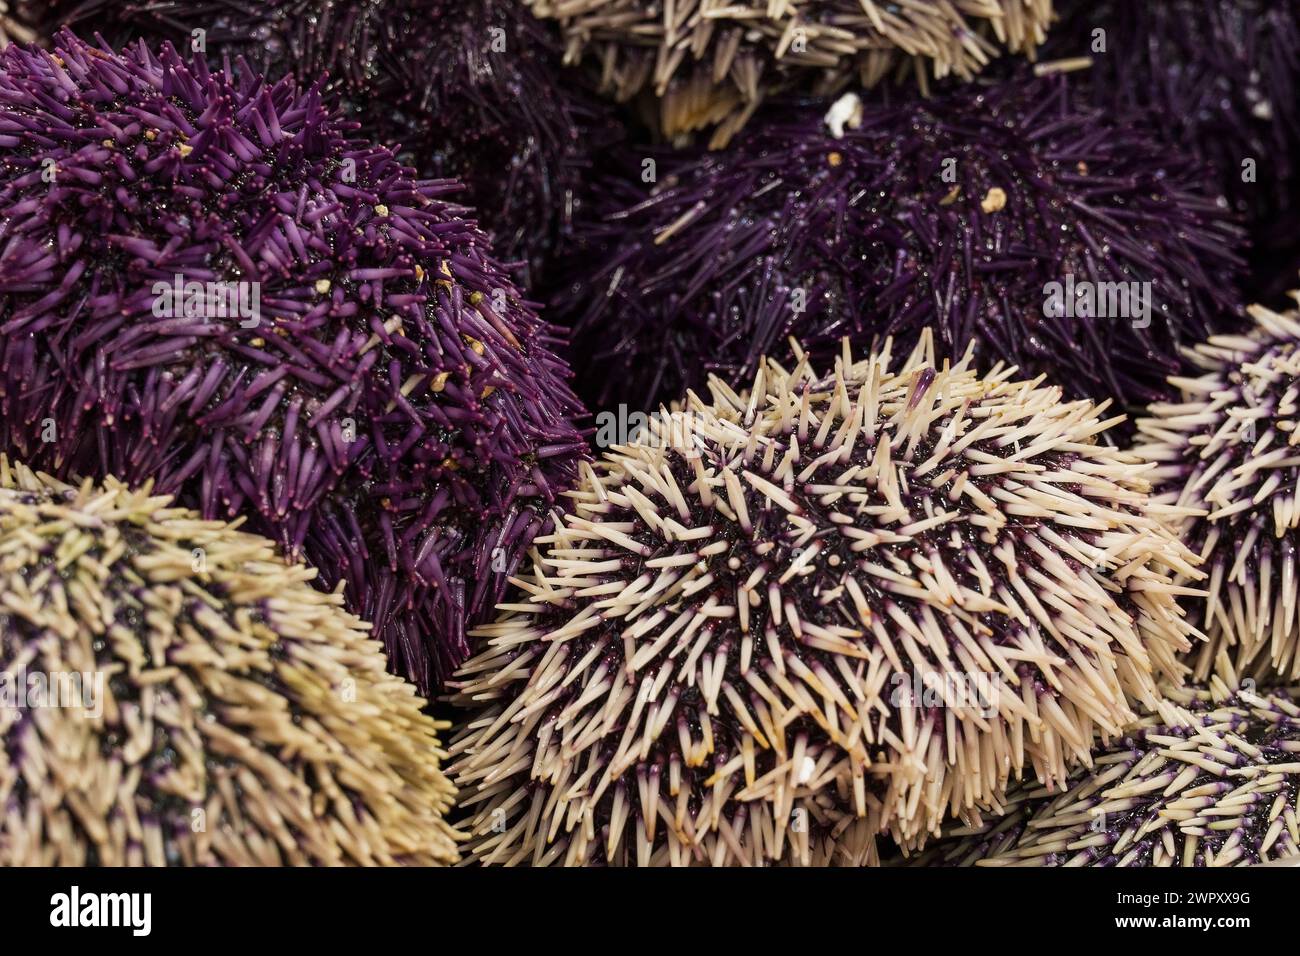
{"x": 176, "y": 694}
{"x": 1229, "y": 453}
{"x": 1215, "y": 782}
{"x": 712, "y": 63}
{"x": 468, "y": 89}
{"x": 779, "y": 622}
{"x": 1010, "y": 215}
{"x": 203, "y": 283}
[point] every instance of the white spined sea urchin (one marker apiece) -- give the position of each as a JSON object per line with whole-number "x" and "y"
{"x": 1230, "y": 449}
{"x": 1214, "y": 782}
{"x": 778, "y": 623}
{"x": 236, "y": 715}
{"x": 711, "y": 64}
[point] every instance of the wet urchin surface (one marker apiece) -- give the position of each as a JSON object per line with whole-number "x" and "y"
{"x": 1219, "y": 79}
{"x": 709, "y": 66}
{"x": 1226, "y": 454}
{"x": 775, "y": 624}
{"x": 1212, "y": 781}
{"x": 1012, "y": 215}
{"x": 469, "y": 89}
{"x": 179, "y": 695}
{"x": 206, "y": 284}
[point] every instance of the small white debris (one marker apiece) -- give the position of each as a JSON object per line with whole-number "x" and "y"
{"x": 846, "y": 111}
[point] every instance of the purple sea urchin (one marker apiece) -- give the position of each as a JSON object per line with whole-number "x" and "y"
{"x": 176, "y": 694}
{"x": 204, "y": 284}
{"x": 778, "y": 623}
{"x": 1227, "y": 451}
{"x": 1215, "y": 784}
{"x": 470, "y": 89}
{"x": 964, "y": 212}
{"x": 1219, "y": 79}
{"x": 712, "y": 63}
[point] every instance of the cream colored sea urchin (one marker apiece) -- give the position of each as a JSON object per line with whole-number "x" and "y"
{"x": 1214, "y": 781}
{"x": 711, "y": 62}
{"x": 1229, "y": 453}
{"x": 778, "y": 623}
{"x": 173, "y": 693}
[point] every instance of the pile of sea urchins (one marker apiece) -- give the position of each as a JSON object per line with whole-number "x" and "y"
{"x": 618, "y": 433}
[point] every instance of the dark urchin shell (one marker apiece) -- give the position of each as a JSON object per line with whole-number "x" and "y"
{"x": 1219, "y": 79}
{"x": 1214, "y": 782}
{"x": 395, "y": 414}
{"x": 178, "y": 695}
{"x": 712, "y": 64}
{"x": 776, "y": 624}
{"x": 470, "y": 89}
{"x": 955, "y": 212}
{"x": 1229, "y": 452}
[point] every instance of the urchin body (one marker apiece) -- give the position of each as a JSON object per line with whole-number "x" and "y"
{"x": 1227, "y": 454}
{"x": 229, "y": 714}
{"x": 712, "y": 65}
{"x": 984, "y": 214}
{"x": 377, "y": 395}
{"x": 466, "y": 89}
{"x": 779, "y": 623}
{"x": 1214, "y": 782}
